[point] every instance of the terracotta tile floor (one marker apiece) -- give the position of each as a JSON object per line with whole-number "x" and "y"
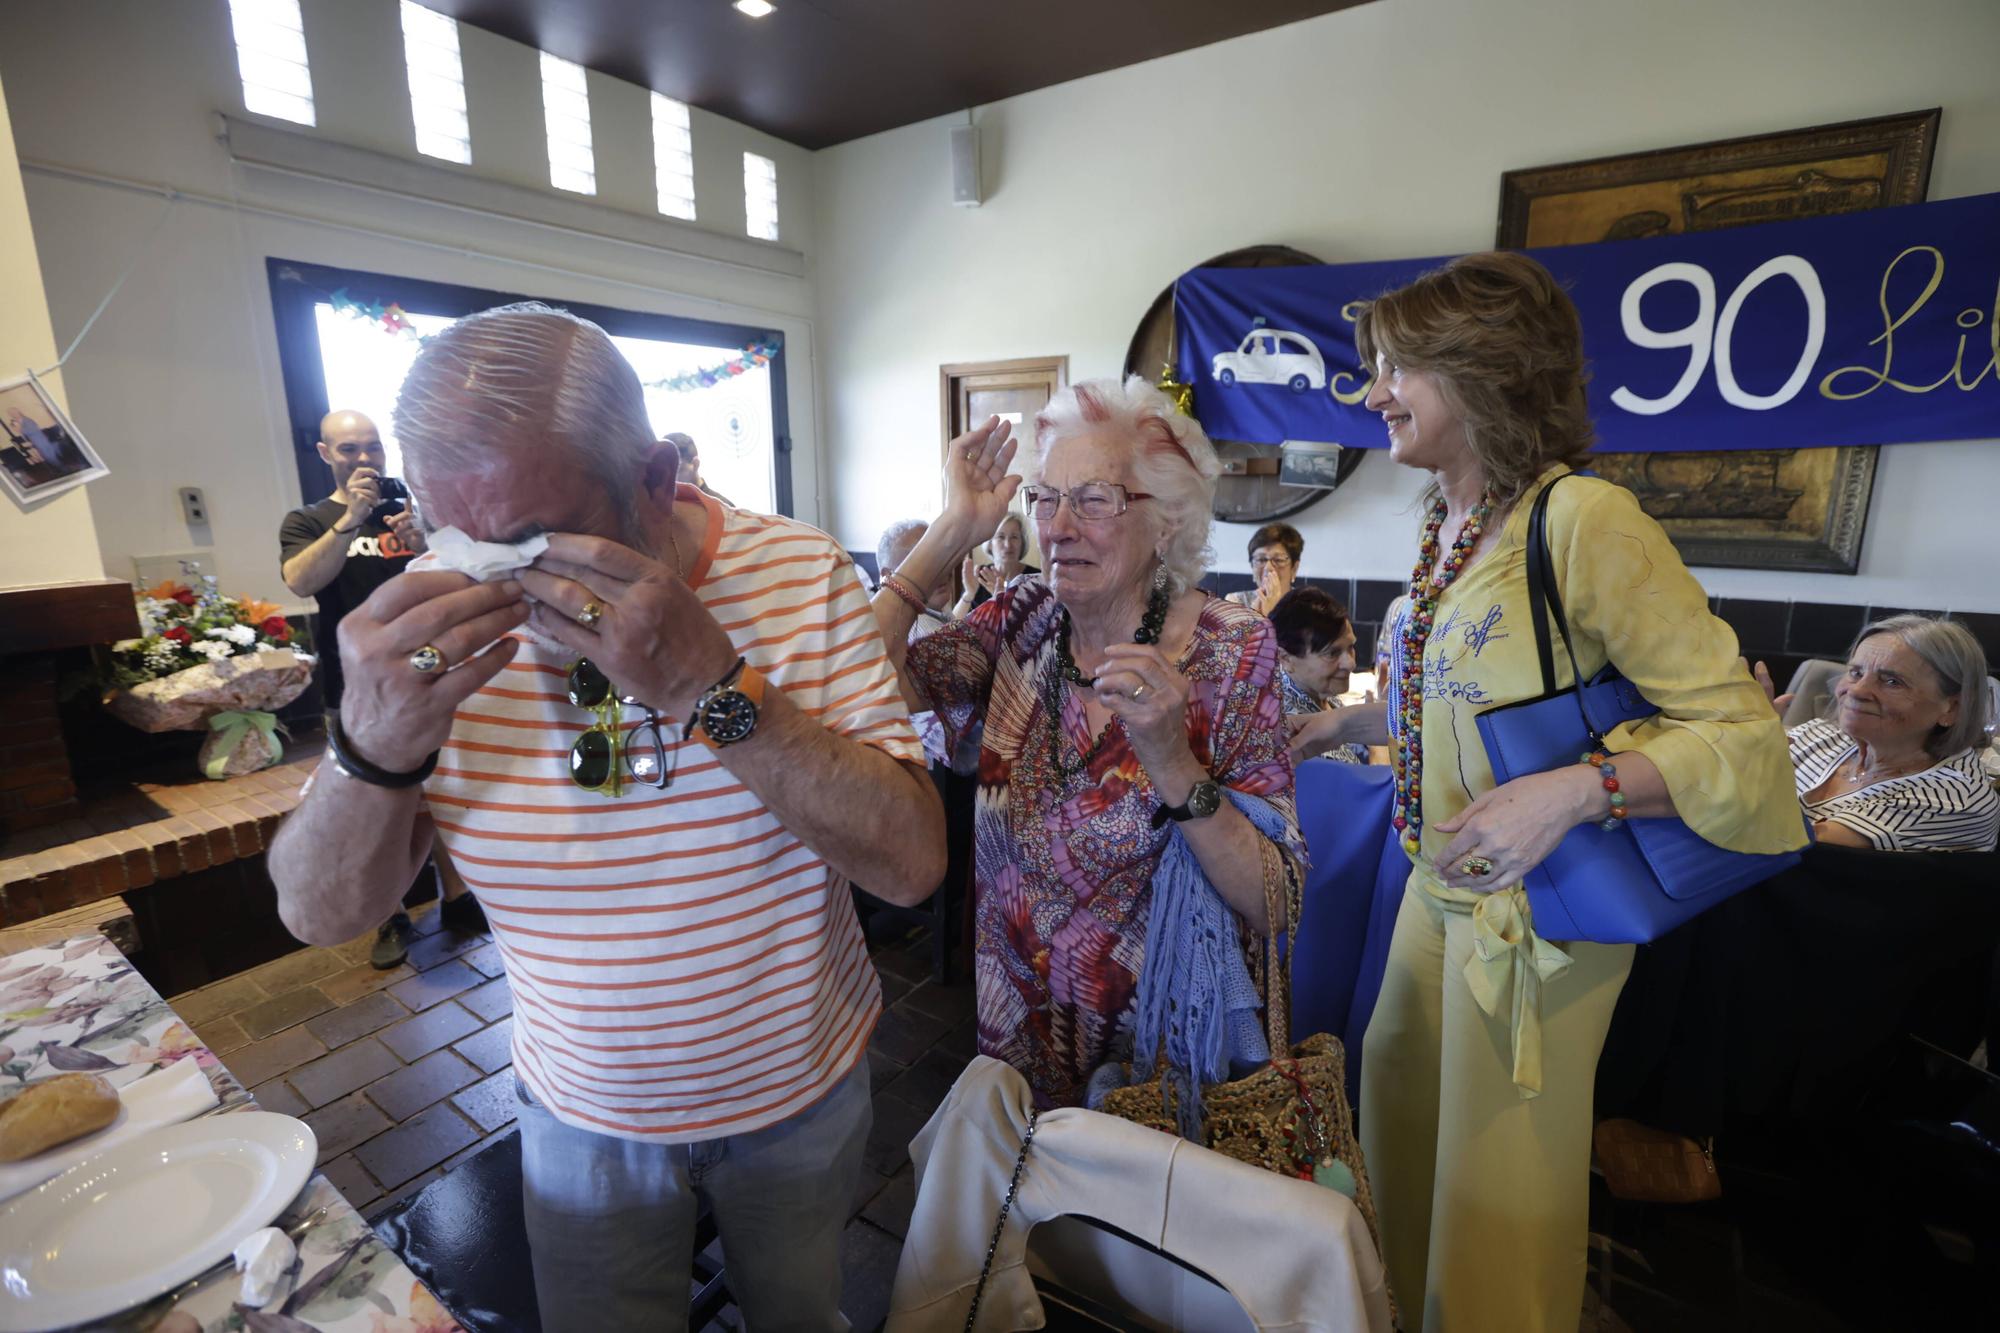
{"x": 406, "y": 1073}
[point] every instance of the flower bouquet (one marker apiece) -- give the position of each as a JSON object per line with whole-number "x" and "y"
{"x": 205, "y": 660}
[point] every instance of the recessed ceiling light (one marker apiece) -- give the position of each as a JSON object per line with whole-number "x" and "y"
{"x": 756, "y": 9}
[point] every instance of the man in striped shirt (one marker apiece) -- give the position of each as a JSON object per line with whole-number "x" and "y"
{"x": 693, "y": 996}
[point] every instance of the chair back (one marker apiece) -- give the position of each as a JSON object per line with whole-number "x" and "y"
{"x": 1811, "y": 690}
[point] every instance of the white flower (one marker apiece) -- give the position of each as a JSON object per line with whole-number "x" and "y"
{"x": 214, "y": 652}
{"x": 240, "y": 635}
{"x": 128, "y": 645}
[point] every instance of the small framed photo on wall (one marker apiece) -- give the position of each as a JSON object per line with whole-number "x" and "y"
{"x": 42, "y": 454}
{"x": 1309, "y": 465}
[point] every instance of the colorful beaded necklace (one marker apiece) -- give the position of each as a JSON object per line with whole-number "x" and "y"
{"x": 1426, "y": 590}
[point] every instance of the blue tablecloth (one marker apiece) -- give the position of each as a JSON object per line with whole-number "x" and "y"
{"x": 1351, "y": 896}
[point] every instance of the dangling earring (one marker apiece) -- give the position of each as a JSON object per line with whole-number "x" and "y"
{"x": 1162, "y": 581}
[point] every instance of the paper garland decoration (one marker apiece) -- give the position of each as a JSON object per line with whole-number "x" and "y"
{"x": 393, "y": 319}
{"x": 752, "y": 356}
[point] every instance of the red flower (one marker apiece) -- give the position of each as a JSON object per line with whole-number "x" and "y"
{"x": 275, "y": 627}
{"x": 185, "y": 597}
{"x": 178, "y": 634}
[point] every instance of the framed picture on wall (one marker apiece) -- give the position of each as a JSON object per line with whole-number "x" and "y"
{"x": 1796, "y": 507}
{"x": 1309, "y": 464}
{"x": 42, "y": 454}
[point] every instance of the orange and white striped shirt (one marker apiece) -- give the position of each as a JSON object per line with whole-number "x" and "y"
{"x": 683, "y": 967}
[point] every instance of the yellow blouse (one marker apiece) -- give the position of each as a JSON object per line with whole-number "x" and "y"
{"x": 1630, "y": 601}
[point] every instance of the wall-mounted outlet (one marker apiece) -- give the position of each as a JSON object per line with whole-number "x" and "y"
{"x": 179, "y": 566}
{"x": 193, "y": 505}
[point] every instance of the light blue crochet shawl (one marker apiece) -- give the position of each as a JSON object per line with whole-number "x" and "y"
{"x": 1196, "y": 1000}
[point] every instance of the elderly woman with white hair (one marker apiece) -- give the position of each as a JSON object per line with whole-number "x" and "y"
{"x": 1895, "y": 764}
{"x": 1134, "y": 761}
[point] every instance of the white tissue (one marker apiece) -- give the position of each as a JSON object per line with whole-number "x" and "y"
{"x": 485, "y": 561}
{"x": 264, "y": 1257}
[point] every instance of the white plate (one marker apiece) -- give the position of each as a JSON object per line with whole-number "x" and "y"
{"x": 121, "y": 1228}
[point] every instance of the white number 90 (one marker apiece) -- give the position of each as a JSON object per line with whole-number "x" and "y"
{"x": 1707, "y": 333}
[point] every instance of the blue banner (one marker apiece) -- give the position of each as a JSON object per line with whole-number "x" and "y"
{"x": 1880, "y": 327}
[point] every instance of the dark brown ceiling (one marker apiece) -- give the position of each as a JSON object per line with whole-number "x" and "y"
{"x": 821, "y": 72}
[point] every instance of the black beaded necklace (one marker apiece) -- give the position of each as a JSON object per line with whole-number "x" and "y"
{"x": 1150, "y": 626}
{"x": 1067, "y": 673}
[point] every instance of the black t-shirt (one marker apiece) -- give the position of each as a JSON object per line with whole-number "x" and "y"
{"x": 374, "y": 556}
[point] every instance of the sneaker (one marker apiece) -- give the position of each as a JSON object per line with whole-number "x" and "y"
{"x": 463, "y": 915}
{"x": 392, "y": 942}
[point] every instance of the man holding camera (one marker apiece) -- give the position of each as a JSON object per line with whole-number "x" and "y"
{"x": 340, "y": 550}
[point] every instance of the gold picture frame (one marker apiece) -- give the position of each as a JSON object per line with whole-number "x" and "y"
{"x": 1796, "y": 508}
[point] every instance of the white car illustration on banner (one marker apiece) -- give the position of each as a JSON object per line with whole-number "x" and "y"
{"x": 1273, "y": 356}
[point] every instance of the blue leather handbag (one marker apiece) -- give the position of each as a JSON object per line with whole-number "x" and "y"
{"x": 1627, "y": 885}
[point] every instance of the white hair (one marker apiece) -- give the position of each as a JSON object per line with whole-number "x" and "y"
{"x": 1953, "y": 653}
{"x": 899, "y": 538}
{"x": 525, "y": 376}
{"x": 1172, "y": 460}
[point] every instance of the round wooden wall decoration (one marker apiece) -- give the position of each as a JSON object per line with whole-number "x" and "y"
{"x": 1248, "y": 491}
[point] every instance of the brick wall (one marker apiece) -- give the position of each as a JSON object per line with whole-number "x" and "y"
{"x": 35, "y": 784}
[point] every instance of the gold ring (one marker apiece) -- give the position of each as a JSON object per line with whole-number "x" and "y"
{"x": 593, "y": 611}
{"x": 1141, "y": 690}
{"x": 426, "y": 660}
{"x": 1476, "y": 866}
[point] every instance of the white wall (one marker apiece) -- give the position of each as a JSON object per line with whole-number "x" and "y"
{"x": 55, "y": 541}
{"x": 178, "y": 384}
{"x": 1374, "y": 133}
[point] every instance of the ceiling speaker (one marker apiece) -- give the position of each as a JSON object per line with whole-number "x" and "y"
{"x": 965, "y": 166}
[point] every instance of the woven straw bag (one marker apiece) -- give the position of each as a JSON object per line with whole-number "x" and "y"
{"x": 1288, "y": 1116}
{"x": 1653, "y": 1165}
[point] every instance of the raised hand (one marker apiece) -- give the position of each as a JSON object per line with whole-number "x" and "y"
{"x": 364, "y": 492}
{"x": 394, "y": 714}
{"x": 1141, "y": 684}
{"x": 652, "y": 638}
{"x": 1762, "y": 674}
{"x": 977, "y": 487}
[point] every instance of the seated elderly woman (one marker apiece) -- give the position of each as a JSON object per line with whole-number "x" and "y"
{"x": 1275, "y": 551}
{"x": 1316, "y": 651}
{"x": 1315, "y": 657}
{"x": 1133, "y": 760}
{"x": 1895, "y": 767}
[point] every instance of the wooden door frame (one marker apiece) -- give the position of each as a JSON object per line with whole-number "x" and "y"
{"x": 1031, "y": 370}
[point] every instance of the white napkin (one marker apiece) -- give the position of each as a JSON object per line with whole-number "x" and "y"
{"x": 485, "y": 561}
{"x": 168, "y": 1096}
{"x": 263, "y": 1257}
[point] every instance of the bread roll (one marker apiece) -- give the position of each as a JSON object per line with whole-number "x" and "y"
{"x": 55, "y": 1111}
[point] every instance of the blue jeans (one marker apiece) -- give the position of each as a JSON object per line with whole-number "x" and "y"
{"x": 611, "y": 1220}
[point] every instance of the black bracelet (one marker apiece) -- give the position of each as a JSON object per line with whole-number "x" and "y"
{"x": 361, "y": 770}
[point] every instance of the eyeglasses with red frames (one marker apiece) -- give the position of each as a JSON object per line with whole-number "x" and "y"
{"x": 1089, "y": 500}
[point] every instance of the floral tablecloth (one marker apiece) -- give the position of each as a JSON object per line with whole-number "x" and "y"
{"x": 81, "y": 1006}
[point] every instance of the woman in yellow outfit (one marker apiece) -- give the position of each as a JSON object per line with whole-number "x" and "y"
{"x": 1476, "y": 1089}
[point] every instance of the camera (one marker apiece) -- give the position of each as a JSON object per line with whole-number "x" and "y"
{"x": 393, "y": 493}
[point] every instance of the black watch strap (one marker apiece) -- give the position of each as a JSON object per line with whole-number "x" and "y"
{"x": 361, "y": 770}
{"x": 695, "y": 718}
{"x": 1181, "y": 814}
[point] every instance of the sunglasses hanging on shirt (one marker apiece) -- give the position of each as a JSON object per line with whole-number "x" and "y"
{"x": 607, "y": 750}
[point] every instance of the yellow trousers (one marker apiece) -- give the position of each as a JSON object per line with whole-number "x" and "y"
{"x": 1483, "y": 1195}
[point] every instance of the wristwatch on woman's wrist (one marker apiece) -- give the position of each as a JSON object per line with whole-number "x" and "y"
{"x": 1203, "y": 801}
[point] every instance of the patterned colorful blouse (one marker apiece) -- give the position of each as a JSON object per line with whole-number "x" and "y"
{"x": 1064, "y": 857}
